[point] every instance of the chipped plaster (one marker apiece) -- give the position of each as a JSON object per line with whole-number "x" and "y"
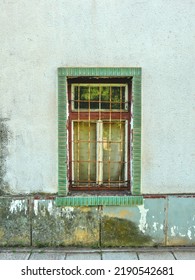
{"x": 143, "y": 218}
{"x": 18, "y": 206}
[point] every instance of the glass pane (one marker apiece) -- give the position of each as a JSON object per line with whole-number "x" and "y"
{"x": 75, "y": 97}
{"x": 81, "y": 97}
{"x": 118, "y": 97}
{"x": 113, "y": 151}
{"x": 105, "y": 97}
{"x": 84, "y": 151}
{"x": 94, "y": 97}
{"x": 84, "y": 93}
{"x": 84, "y": 97}
{"x": 91, "y": 96}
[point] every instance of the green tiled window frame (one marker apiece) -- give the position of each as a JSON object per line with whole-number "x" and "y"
{"x": 135, "y": 198}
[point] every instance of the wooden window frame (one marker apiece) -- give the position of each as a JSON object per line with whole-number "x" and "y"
{"x": 64, "y": 197}
{"x": 94, "y": 115}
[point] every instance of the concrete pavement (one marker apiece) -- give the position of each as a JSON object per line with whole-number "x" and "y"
{"x": 137, "y": 253}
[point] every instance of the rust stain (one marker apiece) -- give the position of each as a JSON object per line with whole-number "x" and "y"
{"x": 123, "y": 214}
{"x": 83, "y": 236}
{"x": 80, "y": 235}
{"x": 155, "y": 196}
{"x": 85, "y": 209}
{"x": 179, "y": 241}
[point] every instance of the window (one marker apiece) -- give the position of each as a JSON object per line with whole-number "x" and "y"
{"x": 99, "y": 136}
{"x": 99, "y": 133}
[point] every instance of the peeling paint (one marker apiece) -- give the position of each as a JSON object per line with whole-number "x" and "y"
{"x": 15, "y": 222}
{"x": 182, "y": 234}
{"x": 82, "y": 226}
{"x": 17, "y": 206}
{"x": 46, "y": 206}
{"x": 155, "y": 226}
{"x": 67, "y": 226}
{"x": 50, "y": 207}
{"x": 36, "y": 207}
{"x": 173, "y": 231}
{"x": 189, "y": 234}
{"x": 68, "y": 211}
{"x": 142, "y": 222}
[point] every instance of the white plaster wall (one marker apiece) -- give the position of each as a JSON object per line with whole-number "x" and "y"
{"x": 38, "y": 36}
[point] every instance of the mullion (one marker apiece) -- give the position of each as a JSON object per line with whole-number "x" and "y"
{"x": 110, "y": 136}
{"x": 99, "y": 153}
{"x": 89, "y": 135}
{"x": 120, "y": 135}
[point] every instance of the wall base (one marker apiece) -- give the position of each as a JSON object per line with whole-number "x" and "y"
{"x": 168, "y": 220}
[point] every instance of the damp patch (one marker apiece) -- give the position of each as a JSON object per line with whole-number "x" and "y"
{"x": 4, "y": 139}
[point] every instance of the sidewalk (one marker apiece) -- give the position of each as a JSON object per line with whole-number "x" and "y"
{"x": 137, "y": 253}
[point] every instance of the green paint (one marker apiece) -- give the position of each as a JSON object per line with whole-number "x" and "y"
{"x": 63, "y": 73}
{"x": 99, "y": 200}
{"x": 117, "y": 232}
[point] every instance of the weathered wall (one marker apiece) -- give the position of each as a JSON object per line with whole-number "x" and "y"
{"x": 4, "y": 140}
{"x": 37, "y": 37}
{"x": 164, "y": 221}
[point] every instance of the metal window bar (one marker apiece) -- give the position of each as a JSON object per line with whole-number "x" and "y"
{"x": 84, "y": 101}
{"x": 110, "y": 138}
{"x": 89, "y": 136}
{"x": 99, "y": 150}
{"x": 78, "y": 136}
{"x": 120, "y": 147}
{"x": 100, "y": 179}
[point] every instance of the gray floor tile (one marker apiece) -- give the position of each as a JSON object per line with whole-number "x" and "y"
{"x": 14, "y": 256}
{"x": 185, "y": 255}
{"x": 156, "y": 256}
{"x": 83, "y": 256}
{"x": 119, "y": 256}
{"x": 47, "y": 256}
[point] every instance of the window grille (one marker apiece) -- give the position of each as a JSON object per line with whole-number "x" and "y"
{"x": 99, "y": 134}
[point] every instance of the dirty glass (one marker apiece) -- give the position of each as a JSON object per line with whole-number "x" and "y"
{"x": 113, "y": 151}
{"x": 84, "y": 151}
{"x": 104, "y": 97}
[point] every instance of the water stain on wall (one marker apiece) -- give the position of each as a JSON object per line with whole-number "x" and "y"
{"x": 122, "y": 232}
{"x": 4, "y": 138}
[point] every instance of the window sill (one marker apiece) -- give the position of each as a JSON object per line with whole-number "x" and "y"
{"x": 99, "y": 200}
